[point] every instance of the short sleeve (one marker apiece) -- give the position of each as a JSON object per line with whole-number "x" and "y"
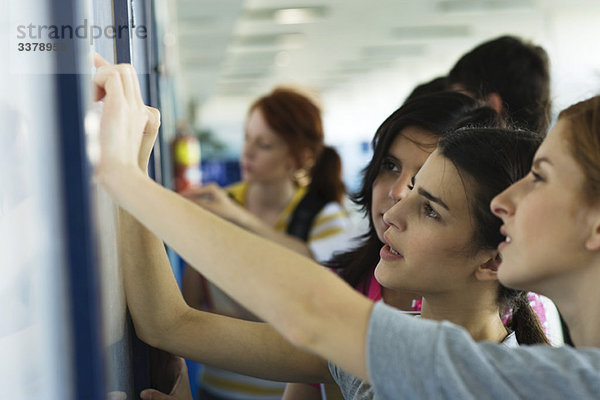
{"x": 438, "y": 360}
{"x": 331, "y": 232}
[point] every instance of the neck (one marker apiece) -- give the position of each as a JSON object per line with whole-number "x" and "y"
{"x": 399, "y": 299}
{"x": 576, "y": 296}
{"x": 479, "y": 315}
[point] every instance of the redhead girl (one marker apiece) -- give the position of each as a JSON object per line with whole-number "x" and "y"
{"x": 291, "y": 193}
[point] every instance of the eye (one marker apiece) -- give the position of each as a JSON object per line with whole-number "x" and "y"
{"x": 390, "y": 165}
{"x": 429, "y": 211}
{"x": 265, "y": 146}
{"x": 536, "y": 177}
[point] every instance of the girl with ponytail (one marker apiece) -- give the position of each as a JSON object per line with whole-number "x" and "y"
{"x": 291, "y": 193}
{"x": 484, "y": 176}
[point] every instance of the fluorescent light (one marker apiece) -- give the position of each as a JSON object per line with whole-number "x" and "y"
{"x": 294, "y": 16}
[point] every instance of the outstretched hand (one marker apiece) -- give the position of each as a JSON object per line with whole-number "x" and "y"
{"x": 128, "y": 128}
{"x": 216, "y": 200}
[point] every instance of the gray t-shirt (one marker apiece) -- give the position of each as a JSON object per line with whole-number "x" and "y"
{"x": 356, "y": 389}
{"x": 350, "y": 386}
{"x": 421, "y": 359}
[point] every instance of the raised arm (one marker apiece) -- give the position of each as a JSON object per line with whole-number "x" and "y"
{"x": 305, "y": 302}
{"x": 216, "y": 200}
{"x": 164, "y": 320}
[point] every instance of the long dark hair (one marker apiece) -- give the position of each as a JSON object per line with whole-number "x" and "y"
{"x": 436, "y": 113}
{"x": 297, "y": 120}
{"x": 489, "y": 160}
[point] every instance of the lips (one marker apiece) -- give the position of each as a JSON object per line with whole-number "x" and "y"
{"x": 507, "y": 238}
{"x": 245, "y": 167}
{"x": 388, "y": 252}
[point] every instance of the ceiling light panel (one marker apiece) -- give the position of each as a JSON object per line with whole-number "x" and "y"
{"x": 274, "y": 40}
{"x": 461, "y": 6}
{"x": 392, "y": 51}
{"x": 432, "y": 31}
{"x": 287, "y": 15}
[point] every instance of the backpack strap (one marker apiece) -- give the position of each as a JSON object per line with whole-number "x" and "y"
{"x": 304, "y": 215}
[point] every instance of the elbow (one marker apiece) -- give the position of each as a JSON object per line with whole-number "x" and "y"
{"x": 156, "y": 331}
{"x": 149, "y": 331}
{"x": 147, "y": 335}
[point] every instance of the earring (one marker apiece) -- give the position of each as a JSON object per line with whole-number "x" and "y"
{"x": 301, "y": 177}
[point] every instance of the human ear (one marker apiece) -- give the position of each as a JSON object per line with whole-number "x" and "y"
{"x": 307, "y": 159}
{"x": 593, "y": 241}
{"x": 488, "y": 271}
{"x": 494, "y": 101}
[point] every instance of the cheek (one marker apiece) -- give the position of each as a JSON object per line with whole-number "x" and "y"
{"x": 442, "y": 252}
{"x": 380, "y": 197}
{"x": 376, "y": 197}
{"x": 272, "y": 162}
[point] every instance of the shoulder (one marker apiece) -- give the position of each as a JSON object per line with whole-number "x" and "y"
{"x": 331, "y": 220}
{"x": 237, "y": 191}
{"x": 331, "y": 211}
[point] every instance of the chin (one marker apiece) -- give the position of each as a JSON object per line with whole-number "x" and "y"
{"x": 382, "y": 274}
{"x": 512, "y": 282}
{"x": 247, "y": 177}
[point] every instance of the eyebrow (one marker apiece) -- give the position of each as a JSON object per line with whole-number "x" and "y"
{"x": 390, "y": 155}
{"x": 431, "y": 197}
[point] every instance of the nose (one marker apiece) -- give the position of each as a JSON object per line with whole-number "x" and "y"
{"x": 247, "y": 149}
{"x": 395, "y": 216}
{"x": 503, "y": 205}
{"x": 399, "y": 189}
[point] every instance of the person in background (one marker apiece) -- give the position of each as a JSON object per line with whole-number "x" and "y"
{"x": 512, "y": 76}
{"x": 291, "y": 193}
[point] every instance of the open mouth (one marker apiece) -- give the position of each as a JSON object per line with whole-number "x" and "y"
{"x": 393, "y": 251}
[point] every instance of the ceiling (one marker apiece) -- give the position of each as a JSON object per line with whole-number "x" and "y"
{"x": 239, "y": 49}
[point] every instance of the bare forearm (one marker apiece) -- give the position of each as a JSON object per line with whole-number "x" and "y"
{"x": 255, "y": 225}
{"x": 304, "y": 301}
{"x": 153, "y": 296}
{"x": 158, "y": 313}
{"x": 245, "y": 347}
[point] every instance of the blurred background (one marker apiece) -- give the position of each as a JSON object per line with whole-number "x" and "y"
{"x": 360, "y": 58}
